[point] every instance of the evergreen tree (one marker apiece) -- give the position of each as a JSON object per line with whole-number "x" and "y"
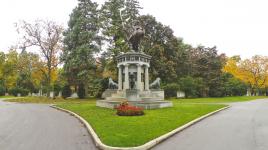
{"x": 82, "y": 41}
{"x": 117, "y": 18}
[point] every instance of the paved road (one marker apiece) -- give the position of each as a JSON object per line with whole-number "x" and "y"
{"x": 39, "y": 127}
{"x": 242, "y": 127}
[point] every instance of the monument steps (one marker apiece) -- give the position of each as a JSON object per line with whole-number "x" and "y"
{"x": 150, "y": 99}
{"x": 116, "y": 98}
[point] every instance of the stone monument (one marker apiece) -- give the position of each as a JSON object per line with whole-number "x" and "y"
{"x": 133, "y": 79}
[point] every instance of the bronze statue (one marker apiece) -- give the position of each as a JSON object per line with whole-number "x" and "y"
{"x": 134, "y": 35}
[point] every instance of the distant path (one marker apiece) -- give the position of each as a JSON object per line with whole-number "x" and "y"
{"x": 242, "y": 127}
{"x": 39, "y": 127}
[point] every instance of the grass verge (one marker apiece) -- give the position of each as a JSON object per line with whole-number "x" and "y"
{"x": 6, "y": 96}
{"x": 221, "y": 99}
{"x": 45, "y": 100}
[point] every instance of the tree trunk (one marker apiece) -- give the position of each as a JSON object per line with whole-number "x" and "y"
{"x": 86, "y": 90}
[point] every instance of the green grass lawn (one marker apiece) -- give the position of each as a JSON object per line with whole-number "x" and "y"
{"x": 121, "y": 131}
{"x": 221, "y": 99}
{"x": 45, "y": 100}
{"x": 6, "y": 96}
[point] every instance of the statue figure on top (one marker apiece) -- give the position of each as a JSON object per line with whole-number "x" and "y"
{"x": 134, "y": 35}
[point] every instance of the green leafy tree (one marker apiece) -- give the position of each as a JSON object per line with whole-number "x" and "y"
{"x": 46, "y": 36}
{"x": 168, "y": 51}
{"x": 193, "y": 87}
{"x": 233, "y": 86}
{"x": 27, "y": 68}
{"x": 9, "y": 70}
{"x": 204, "y": 62}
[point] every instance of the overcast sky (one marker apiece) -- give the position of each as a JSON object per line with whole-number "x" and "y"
{"x": 236, "y": 27}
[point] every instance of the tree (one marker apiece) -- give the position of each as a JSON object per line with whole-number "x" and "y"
{"x": 253, "y": 72}
{"x": 9, "y": 70}
{"x": 204, "y": 62}
{"x": 29, "y": 71}
{"x": 47, "y": 37}
{"x": 233, "y": 86}
{"x": 2, "y": 62}
{"x": 82, "y": 41}
{"x": 193, "y": 87}
{"x": 118, "y": 17}
{"x": 167, "y": 50}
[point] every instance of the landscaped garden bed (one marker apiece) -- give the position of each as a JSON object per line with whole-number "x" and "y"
{"x": 125, "y": 109}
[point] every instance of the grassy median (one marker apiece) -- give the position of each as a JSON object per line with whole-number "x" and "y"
{"x": 119, "y": 131}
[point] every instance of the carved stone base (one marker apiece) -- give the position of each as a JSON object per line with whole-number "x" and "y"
{"x": 143, "y": 104}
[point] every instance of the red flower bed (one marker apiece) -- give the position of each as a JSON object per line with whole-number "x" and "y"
{"x": 124, "y": 109}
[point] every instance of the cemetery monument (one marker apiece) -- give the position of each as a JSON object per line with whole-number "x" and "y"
{"x": 133, "y": 79}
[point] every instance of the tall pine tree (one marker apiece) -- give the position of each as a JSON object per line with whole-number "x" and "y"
{"x": 82, "y": 41}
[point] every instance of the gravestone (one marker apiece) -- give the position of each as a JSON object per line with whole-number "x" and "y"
{"x": 180, "y": 94}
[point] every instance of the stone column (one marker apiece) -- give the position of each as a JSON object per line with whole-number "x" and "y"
{"x": 126, "y": 86}
{"x": 119, "y": 78}
{"x": 139, "y": 77}
{"x": 146, "y": 78}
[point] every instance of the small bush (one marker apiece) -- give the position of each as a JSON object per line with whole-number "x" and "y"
{"x": 124, "y": 109}
{"x": 81, "y": 91}
{"x": 171, "y": 90}
{"x": 2, "y": 91}
{"x": 66, "y": 91}
{"x": 16, "y": 90}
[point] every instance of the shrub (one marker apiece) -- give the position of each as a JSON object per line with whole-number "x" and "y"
{"x": 81, "y": 91}
{"x": 171, "y": 90}
{"x": 2, "y": 91}
{"x": 57, "y": 88}
{"x": 192, "y": 86}
{"x": 66, "y": 91}
{"x": 124, "y": 109}
{"x": 16, "y": 90}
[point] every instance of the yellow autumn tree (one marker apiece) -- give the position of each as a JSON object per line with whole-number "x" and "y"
{"x": 9, "y": 69}
{"x": 253, "y": 71}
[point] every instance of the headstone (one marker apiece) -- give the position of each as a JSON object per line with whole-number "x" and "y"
{"x": 40, "y": 93}
{"x": 74, "y": 95}
{"x": 60, "y": 94}
{"x": 248, "y": 92}
{"x": 180, "y": 94}
{"x": 51, "y": 94}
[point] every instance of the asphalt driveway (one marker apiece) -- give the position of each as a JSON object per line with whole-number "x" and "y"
{"x": 39, "y": 127}
{"x": 244, "y": 126}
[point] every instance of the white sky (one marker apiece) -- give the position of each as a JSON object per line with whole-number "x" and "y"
{"x": 236, "y": 27}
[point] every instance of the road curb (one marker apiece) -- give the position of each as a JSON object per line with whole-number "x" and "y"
{"x": 147, "y": 145}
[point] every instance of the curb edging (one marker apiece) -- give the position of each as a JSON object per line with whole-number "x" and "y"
{"x": 145, "y": 146}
